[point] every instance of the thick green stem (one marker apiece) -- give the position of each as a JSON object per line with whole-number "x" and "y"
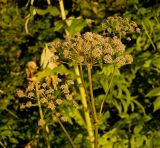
{"x": 93, "y": 106}
{"x": 63, "y": 15}
{"x": 85, "y": 106}
{"x": 67, "y": 134}
{"x": 107, "y": 91}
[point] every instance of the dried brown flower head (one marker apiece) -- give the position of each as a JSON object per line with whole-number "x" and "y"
{"x": 41, "y": 122}
{"x": 20, "y": 93}
{"x": 92, "y": 48}
{"x": 51, "y": 98}
{"x": 116, "y": 25}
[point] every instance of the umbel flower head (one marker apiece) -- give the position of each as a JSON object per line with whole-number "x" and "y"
{"x": 54, "y": 95}
{"x": 90, "y": 48}
{"x": 119, "y": 26}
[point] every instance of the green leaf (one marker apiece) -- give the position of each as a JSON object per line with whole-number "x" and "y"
{"x": 139, "y": 105}
{"x": 58, "y": 70}
{"x": 78, "y": 139}
{"x": 76, "y": 25}
{"x": 108, "y": 139}
{"x": 156, "y": 104}
{"x": 58, "y": 25}
{"x": 13, "y": 140}
{"x": 74, "y": 113}
{"x": 137, "y": 129}
{"x": 125, "y": 105}
{"x": 117, "y": 105}
{"x": 41, "y": 11}
{"x": 53, "y": 10}
{"x": 154, "y": 92}
{"x": 156, "y": 62}
{"x": 6, "y": 133}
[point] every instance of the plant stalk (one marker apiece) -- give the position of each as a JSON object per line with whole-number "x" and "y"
{"x": 85, "y": 106}
{"x": 93, "y": 106}
{"x": 154, "y": 47}
{"x": 41, "y": 115}
{"x": 49, "y": 2}
{"x": 107, "y": 91}
{"x": 65, "y": 131}
{"x": 63, "y": 15}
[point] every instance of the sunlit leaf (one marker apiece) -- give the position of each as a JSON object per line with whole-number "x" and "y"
{"x": 41, "y": 11}
{"x": 156, "y": 104}
{"x": 156, "y": 61}
{"x": 57, "y": 70}
{"x": 53, "y": 11}
{"x": 45, "y": 57}
{"x": 78, "y": 117}
{"x": 154, "y": 92}
{"x": 137, "y": 129}
{"x": 76, "y": 26}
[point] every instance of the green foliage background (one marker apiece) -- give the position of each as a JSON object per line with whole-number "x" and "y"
{"x": 132, "y": 113}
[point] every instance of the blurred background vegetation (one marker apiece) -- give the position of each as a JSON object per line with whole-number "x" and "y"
{"x": 25, "y": 27}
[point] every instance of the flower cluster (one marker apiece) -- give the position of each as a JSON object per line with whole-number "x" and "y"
{"x": 91, "y": 48}
{"x": 119, "y": 26}
{"x": 53, "y": 93}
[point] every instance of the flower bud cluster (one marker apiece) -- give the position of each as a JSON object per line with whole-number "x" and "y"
{"x": 54, "y": 98}
{"x": 119, "y": 26}
{"x": 91, "y": 48}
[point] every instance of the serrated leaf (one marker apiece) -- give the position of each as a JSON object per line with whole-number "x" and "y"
{"x": 154, "y": 92}
{"x": 156, "y": 104}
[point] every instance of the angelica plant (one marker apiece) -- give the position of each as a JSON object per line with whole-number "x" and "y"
{"x": 82, "y": 51}
{"x": 51, "y": 95}
{"x": 91, "y": 49}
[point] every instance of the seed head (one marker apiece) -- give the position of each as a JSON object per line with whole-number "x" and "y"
{"x": 96, "y": 53}
{"x": 59, "y": 101}
{"x": 31, "y": 94}
{"x": 120, "y": 61}
{"x": 28, "y": 104}
{"x": 51, "y": 105}
{"x": 107, "y": 58}
{"x": 64, "y": 119}
{"x": 128, "y": 58}
{"x": 20, "y": 94}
